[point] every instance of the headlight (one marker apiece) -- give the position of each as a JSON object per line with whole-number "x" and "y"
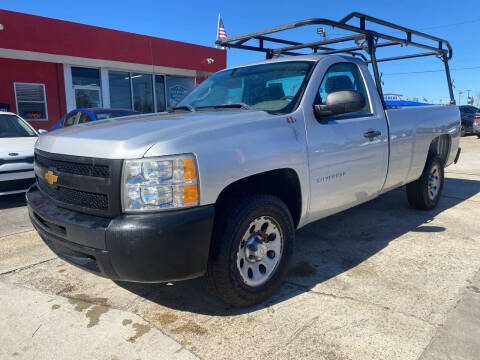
{"x": 159, "y": 183}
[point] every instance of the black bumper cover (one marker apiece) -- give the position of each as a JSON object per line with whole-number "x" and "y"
{"x": 158, "y": 247}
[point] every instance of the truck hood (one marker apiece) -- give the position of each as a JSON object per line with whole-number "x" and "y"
{"x": 23, "y": 146}
{"x": 131, "y": 137}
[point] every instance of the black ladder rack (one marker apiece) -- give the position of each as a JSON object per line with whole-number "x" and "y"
{"x": 363, "y": 38}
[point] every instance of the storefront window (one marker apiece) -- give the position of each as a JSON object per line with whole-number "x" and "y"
{"x": 177, "y": 89}
{"x": 142, "y": 92}
{"x": 160, "y": 92}
{"x": 31, "y": 102}
{"x": 120, "y": 91}
{"x": 138, "y": 91}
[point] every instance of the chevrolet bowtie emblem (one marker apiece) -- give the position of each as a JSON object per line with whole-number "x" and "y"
{"x": 51, "y": 177}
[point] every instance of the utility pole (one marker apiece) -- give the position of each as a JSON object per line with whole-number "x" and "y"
{"x": 460, "y": 92}
{"x": 322, "y": 32}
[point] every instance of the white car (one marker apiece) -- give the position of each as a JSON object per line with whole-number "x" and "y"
{"x": 17, "y": 140}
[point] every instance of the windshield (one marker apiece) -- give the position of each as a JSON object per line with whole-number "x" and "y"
{"x": 13, "y": 126}
{"x": 102, "y": 115}
{"x": 273, "y": 87}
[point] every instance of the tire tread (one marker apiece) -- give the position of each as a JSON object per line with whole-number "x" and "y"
{"x": 218, "y": 279}
{"x": 417, "y": 193}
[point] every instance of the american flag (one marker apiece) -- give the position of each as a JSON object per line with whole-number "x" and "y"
{"x": 221, "y": 33}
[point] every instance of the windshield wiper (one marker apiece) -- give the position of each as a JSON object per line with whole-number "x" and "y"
{"x": 240, "y": 105}
{"x": 184, "y": 107}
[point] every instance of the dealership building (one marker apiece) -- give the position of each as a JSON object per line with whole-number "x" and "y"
{"x": 49, "y": 67}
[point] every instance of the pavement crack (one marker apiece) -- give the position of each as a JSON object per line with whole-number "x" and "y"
{"x": 297, "y": 332}
{"x": 294, "y": 336}
{"x": 27, "y": 267}
{"x": 39, "y": 326}
{"x": 306, "y": 289}
{"x": 16, "y": 232}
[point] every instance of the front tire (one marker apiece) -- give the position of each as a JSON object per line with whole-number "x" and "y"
{"x": 251, "y": 250}
{"x": 425, "y": 193}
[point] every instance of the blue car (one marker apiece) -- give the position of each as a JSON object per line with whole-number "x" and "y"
{"x": 79, "y": 116}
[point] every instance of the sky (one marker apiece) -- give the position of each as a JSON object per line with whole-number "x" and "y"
{"x": 196, "y": 22}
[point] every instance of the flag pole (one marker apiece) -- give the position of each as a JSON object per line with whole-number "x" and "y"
{"x": 218, "y": 26}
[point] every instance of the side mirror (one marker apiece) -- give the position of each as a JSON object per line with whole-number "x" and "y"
{"x": 340, "y": 102}
{"x": 42, "y": 131}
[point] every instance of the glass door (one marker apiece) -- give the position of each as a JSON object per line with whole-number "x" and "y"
{"x": 87, "y": 97}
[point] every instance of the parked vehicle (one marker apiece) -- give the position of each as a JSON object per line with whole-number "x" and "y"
{"x": 17, "y": 140}
{"x": 219, "y": 186}
{"x": 79, "y": 116}
{"x": 470, "y": 125}
{"x": 476, "y": 123}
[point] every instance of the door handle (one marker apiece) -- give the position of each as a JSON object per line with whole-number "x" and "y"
{"x": 372, "y": 133}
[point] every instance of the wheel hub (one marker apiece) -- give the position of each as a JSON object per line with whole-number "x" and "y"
{"x": 259, "y": 251}
{"x": 433, "y": 182}
{"x": 255, "y": 249}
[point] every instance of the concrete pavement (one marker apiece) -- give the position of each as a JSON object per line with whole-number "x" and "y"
{"x": 41, "y": 326}
{"x": 380, "y": 281}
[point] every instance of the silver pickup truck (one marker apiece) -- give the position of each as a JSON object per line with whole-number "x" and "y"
{"x": 218, "y": 186}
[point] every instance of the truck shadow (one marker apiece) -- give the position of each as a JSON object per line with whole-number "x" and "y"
{"x": 324, "y": 249}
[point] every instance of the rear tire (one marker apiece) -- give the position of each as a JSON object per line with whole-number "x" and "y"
{"x": 251, "y": 250}
{"x": 425, "y": 193}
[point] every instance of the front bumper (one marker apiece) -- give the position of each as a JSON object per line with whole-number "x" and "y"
{"x": 15, "y": 183}
{"x": 472, "y": 129}
{"x": 161, "y": 247}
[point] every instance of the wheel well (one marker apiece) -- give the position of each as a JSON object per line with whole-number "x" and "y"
{"x": 441, "y": 147}
{"x": 282, "y": 183}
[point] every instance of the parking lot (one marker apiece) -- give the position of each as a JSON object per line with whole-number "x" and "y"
{"x": 380, "y": 281}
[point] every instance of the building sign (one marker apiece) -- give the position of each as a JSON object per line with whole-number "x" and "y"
{"x": 177, "y": 93}
{"x": 392, "y": 97}
{"x": 33, "y": 115}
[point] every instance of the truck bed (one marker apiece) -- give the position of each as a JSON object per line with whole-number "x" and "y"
{"x": 412, "y": 130}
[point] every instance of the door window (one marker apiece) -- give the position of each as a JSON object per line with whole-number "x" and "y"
{"x": 85, "y": 76}
{"x": 86, "y": 98}
{"x": 341, "y": 77}
{"x": 86, "y": 87}
{"x": 84, "y": 117}
{"x": 70, "y": 119}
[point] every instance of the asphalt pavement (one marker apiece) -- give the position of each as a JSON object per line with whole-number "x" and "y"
{"x": 379, "y": 281}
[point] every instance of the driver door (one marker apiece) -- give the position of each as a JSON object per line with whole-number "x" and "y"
{"x": 346, "y": 166}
